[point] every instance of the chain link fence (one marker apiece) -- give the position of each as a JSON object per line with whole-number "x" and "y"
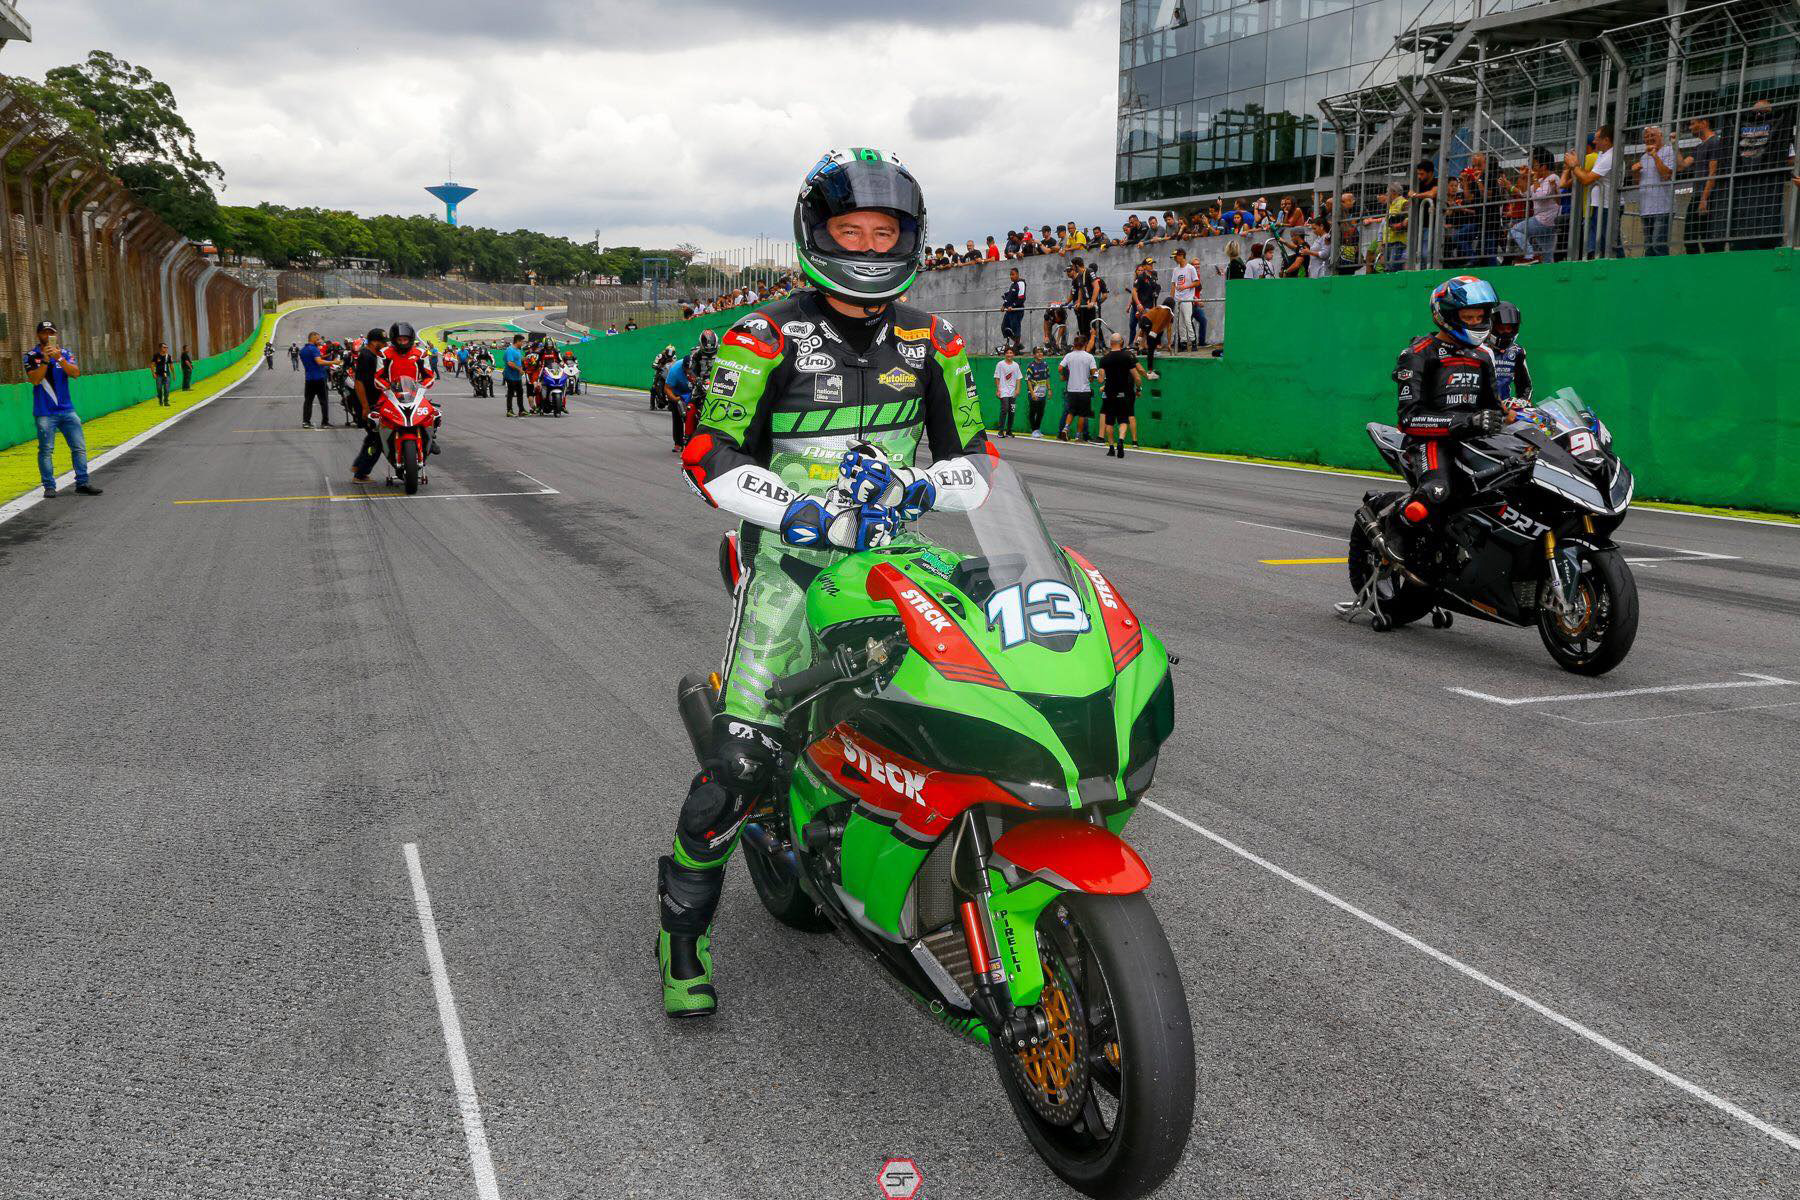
{"x": 1666, "y": 136}
{"x": 82, "y": 252}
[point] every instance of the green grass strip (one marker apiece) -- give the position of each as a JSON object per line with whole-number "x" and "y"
{"x": 18, "y": 464}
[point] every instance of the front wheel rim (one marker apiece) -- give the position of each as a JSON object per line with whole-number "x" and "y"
{"x": 1081, "y": 1061}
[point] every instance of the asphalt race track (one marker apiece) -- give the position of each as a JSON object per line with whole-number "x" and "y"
{"x": 1536, "y": 941}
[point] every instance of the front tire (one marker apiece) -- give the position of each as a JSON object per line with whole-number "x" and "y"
{"x": 1108, "y": 1100}
{"x": 409, "y": 465}
{"x": 1598, "y": 635}
{"x": 781, "y": 892}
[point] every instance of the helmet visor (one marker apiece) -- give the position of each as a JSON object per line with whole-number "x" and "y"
{"x": 859, "y": 185}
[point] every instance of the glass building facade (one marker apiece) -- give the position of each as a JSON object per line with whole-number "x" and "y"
{"x": 1218, "y": 97}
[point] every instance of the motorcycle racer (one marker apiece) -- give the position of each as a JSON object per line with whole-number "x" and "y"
{"x": 1446, "y": 393}
{"x": 812, "y": 415}
{"x": 403, "y": 358}
{"x": 1512, "y": 378}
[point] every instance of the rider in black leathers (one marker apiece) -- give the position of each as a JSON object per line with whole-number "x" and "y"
{"x": 1446, "y": 394}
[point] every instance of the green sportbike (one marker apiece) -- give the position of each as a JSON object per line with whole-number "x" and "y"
{"x": 982, "y": 716}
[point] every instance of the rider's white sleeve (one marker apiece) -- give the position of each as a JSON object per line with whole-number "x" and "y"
{"x": 754, "y": 493}
{"x": 960, "y": 488}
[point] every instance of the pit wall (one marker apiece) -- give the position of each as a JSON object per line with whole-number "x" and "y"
{"x": 1689, "y": 359}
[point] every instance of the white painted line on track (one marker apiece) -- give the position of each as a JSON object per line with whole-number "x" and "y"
{"x": 548, "y": 490}
{"x": 1678, "y": 553}
{"x": 1329, "y": 537}
{"x": 1569, "y": 1023}
{"x": 481, "y": 1164}
{"x": 1701, "y": 715}
{"x": 1748, "y": 680}
{"x": 420, "y": 496}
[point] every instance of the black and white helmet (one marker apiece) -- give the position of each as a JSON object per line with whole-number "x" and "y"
{"x": 852, "y": 181}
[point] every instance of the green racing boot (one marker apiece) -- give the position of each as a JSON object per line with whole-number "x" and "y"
{"x": 686, "y": 974}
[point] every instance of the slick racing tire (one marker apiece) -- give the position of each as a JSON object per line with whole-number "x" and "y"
{"x": 1108, "y": 1099}
{"x": 781, "y": 893}
{"x": 1402, "y": 601}
{"x": 1598, "y": 635}
{"x": 409, "y": 466}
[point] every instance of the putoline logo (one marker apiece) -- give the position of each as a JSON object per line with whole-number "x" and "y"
{"x": 900, "y": 1179}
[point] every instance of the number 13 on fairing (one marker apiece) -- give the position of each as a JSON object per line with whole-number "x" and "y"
{"x": 1043, "y": 607}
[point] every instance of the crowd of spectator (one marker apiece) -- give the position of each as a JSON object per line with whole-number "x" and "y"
{"x": 1546, "y": 206}
{"x": 1242, "y": 216}
{"x": 750, "y": 293}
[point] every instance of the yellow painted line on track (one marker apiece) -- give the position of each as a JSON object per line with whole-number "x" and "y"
{"x": 251, "y": 500}
{"x": 1299, "y": 562}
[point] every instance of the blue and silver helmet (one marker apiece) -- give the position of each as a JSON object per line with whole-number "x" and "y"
{"x": 1448, "y": 300}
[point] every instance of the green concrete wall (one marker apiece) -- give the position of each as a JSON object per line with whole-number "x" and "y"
{"x": 1689, "y": 359}
{"x": 97, "y": 395}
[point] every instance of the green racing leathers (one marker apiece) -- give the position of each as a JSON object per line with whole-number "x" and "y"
{"x": 796, "y": 385}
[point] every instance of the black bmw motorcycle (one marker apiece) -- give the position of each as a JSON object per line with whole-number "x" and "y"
{"x": 1527, "y": 542}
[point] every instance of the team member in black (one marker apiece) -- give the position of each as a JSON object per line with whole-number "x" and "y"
{"x": 368, "y": 361}
{"x": 1447, "y": 393}
{"x": 1012, "y": 301}
{"x": 1122, "y": 374}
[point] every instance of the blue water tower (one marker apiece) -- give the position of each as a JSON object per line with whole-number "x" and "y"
{"x": 451, "y": 194}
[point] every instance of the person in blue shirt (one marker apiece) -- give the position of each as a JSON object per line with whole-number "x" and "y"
{"x": 316, "y": 362}
{"x": 681, "y": 393}
{"x": 513, "y": 373}
{"x": 48, "y": 369}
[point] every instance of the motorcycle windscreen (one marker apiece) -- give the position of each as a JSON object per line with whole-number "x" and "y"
{"x": 1016, "y": 572}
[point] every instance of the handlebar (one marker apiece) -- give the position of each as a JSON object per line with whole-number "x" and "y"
{"x": 1485, "y": 479}
{"x": 818, "y": 675}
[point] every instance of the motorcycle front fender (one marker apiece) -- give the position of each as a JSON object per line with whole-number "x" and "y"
{"x": 1034, "y": 863}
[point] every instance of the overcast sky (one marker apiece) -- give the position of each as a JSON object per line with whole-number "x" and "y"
{"x": 679, "y": 120}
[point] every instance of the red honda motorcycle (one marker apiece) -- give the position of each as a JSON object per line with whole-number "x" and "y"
{"x": 409, "y": 422}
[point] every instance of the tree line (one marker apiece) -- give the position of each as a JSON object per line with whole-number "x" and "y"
{"x": 128, "y": 120}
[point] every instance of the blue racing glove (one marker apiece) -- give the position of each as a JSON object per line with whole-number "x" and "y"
{"x": 814, "y": 525}
{"x": 864, "y": 478}
{"x": 918, "y": 495}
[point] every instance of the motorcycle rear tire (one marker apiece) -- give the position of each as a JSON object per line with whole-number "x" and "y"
{"x": 781, "y": 893}
{"x": 409, "y": 466}
{"x": 1155, "y": 1105}
{"x": 1402, "y": 601}
{"x": 1609, "y": 585}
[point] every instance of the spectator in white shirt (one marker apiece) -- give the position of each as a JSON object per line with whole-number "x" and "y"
{"x": 1077, "y": 369}
{"x": 1184, "y": 290}
{"x": 1318, "y": 250}
{"x": 1599, "y": 185}
{"x": 1006, "y": 386}
{"x": 1258, "y": 266}
{"x": 1655, "y": 173}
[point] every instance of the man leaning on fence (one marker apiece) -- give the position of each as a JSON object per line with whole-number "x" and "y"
{"x": 48, "y": 369}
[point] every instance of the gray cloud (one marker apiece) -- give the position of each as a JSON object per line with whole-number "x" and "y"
{"x": 948, "y": 115}
{"x": 692, "y": 120}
